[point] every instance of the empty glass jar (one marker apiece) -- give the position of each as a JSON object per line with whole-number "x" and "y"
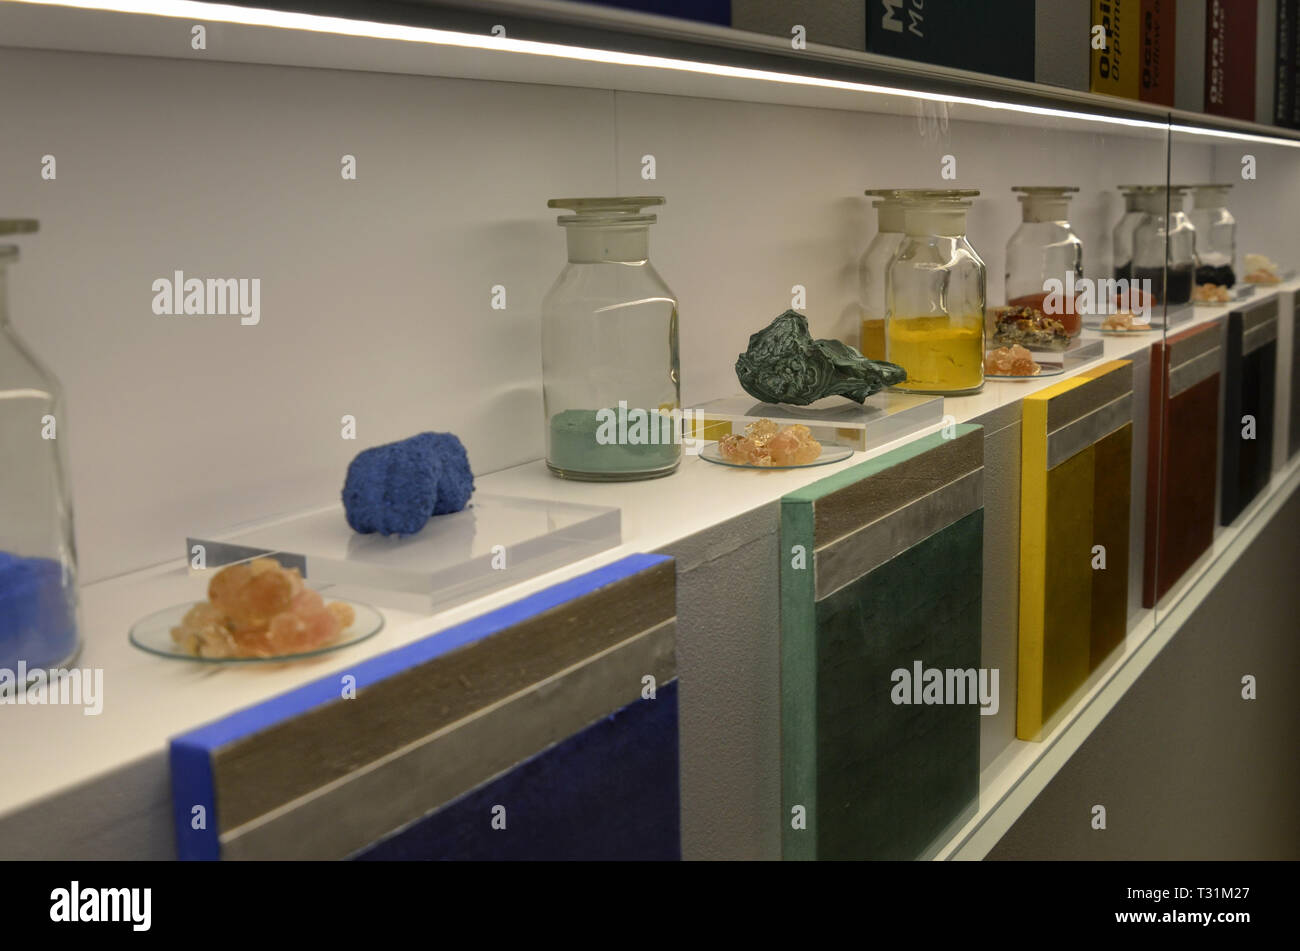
{"x": 38, "y": 559}
{"x": 1216, "y": 235}
{"x": 609, "y": 348}
{"x": 934, "y": 324}
{"x": 1164, "y": 245}
{"x": 1044, "y": 248}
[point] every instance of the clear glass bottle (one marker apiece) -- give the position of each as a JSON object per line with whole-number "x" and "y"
{"x": 1122, "y": 235}
{"x": 1216, "y": 235}
{"x": 872, "y": 267}
{"x": 1044, "y": 248}
{"x": 38, "y": 561}
{"x": 936, "y": 292}
{"x": 1164, "y": 245}
{"x": 610, "y": 366}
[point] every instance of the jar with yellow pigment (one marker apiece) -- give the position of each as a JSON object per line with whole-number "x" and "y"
{"x": 935, "y": 295}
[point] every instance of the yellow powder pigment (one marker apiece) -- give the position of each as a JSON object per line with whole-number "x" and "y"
{"x": 873, "y": 338}
{"x": 940, "y": 354}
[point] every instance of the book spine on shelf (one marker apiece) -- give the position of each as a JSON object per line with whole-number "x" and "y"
{"x": 1291, "y": 53}
{"x": 1293, "y": 95}
{"x": 1265, "y": 60}
{"x": 839, "y": 23}
{"x": 1061, "y": 32}
{"x": 704, "y": 11}
{"x": 1283, "y": 62}
{"x": 993, "y": 36}
{"x": 1115, "y": 66}
{"x": 1189, "y": 83}
{"x": 1157, "y": 49}
{"x": 1230, "y": 58}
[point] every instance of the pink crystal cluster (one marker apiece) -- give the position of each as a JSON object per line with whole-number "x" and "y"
{"x": 260, "y": 609}
{"x": 765, "y": 444}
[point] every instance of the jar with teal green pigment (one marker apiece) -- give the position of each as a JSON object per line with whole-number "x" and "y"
{"x": 610, "y": 378}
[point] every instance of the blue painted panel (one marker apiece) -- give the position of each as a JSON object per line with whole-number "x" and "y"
{"x": 609, "y": 792}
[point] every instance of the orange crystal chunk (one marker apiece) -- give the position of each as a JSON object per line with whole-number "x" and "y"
{"x": 765, "y": 444}
{"x": 1010, "y": 361}
{"x": 260, "y": 609}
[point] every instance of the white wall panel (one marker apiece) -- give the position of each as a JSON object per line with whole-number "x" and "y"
{"x": 375, "y": 293}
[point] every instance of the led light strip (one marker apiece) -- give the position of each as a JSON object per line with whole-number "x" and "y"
{"x": 1235, "y": 136}
{"x": 278, "y": 19}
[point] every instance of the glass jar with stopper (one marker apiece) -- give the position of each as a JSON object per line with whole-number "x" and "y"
{"x": 1216, "y": 235}
{"x": 39, "y": 608}
{"x": 610, "y": 365}
{"x": 873, "y": 265}
{"x": 936, "y": 292}
{"x": 1164, "y": 245}
{"x": 1044, "y": 248}
{"x": 1122, "y": 234}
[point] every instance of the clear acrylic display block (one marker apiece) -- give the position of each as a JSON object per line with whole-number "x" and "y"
{"x": 1161, "y": 319}
{"x": 495, "y": 542}
{"x": 884, "y": 417}
{"x": 1079, "y": 352}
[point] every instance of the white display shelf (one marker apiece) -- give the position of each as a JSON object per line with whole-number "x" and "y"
{"x": 706, "y": 66}
{"x": 47, "y": 750}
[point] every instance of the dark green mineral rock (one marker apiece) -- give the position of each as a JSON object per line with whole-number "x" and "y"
{"x": 784, "y": 364}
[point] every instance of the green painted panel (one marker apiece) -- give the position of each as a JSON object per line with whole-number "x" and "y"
{"x": 891, "y": 777}
{"x": 863, "y": 777}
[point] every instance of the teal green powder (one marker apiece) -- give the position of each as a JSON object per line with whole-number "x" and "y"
{"x": 574, "y": 447}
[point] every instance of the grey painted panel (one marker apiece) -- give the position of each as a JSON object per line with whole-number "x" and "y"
{"x": 729, "y": 672}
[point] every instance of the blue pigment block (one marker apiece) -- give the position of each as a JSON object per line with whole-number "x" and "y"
{"x": 392, "y": 489}
{"x": 455, "y": 481}
{"x": 395, "y": 488}
{"x": 607, "y": 793}
{"x": 37, "y": 616}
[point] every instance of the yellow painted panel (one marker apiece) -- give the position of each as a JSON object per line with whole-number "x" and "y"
{"x": 1067, "y": 618}
{"x": 1057, "y": 533}
{"x": 1112, "y": 493}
